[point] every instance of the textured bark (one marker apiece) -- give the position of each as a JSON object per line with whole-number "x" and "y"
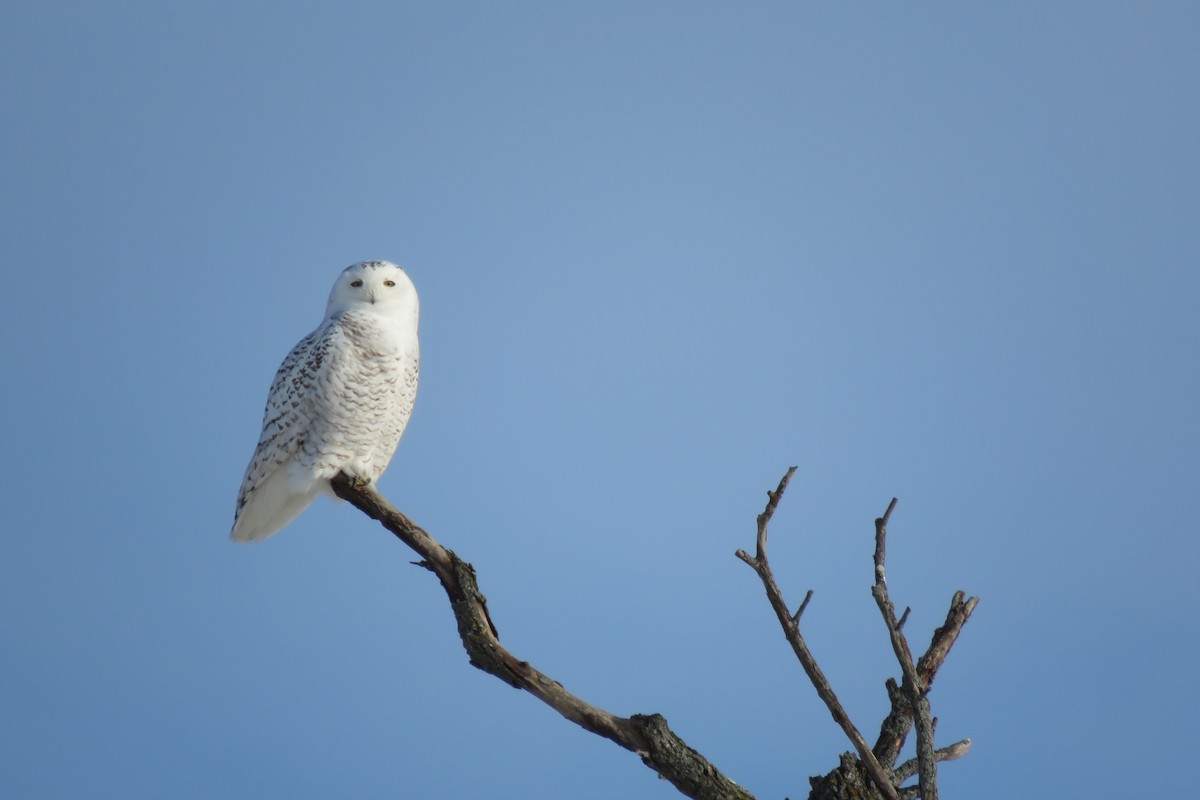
{"x": 850, "y": 781}
{"x": 686, "y": 769}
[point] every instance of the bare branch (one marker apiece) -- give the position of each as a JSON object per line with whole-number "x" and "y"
{"x": 948, "y": 753}
{"x": 881, "y": 540}
{"x": 895, "y": 727}
{"x": 912, "y": 686}
{"x": 645, "y": 735}
{"x": 773, "y": 499}
{"x": 944, "y": 637}
{"x": 897, "y": 724}
{"x": 791, "y": 630}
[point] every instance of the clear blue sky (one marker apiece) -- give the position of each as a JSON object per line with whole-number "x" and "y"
{"x": 948, "y": 253}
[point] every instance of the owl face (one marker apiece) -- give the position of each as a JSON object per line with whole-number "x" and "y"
{"x": 378, "y": 286}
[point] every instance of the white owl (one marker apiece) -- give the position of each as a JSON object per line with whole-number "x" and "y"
{"x": 339, "y": 401}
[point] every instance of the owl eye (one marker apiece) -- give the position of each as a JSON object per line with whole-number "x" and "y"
{"x": 389, "y": 283}
{"x": 356, "y": 283}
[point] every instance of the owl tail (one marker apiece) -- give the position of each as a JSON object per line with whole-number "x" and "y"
{"x": 272, "y": 505}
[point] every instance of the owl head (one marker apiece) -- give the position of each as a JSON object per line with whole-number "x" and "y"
{"x": 377, "y": 286}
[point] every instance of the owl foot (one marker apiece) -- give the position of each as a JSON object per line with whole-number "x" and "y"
{"x": 357, "y": 481}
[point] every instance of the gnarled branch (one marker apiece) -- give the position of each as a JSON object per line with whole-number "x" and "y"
{"x": 648, "y": 736}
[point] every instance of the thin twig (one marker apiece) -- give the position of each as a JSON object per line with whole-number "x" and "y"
{"x": 947, "y": 753}
{"x": 803, "y": 605}
{"x": 791, "y": 630}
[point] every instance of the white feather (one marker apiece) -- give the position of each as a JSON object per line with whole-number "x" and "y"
{"x": 339, "y": 402}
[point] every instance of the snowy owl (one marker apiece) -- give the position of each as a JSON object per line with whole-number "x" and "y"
{"x": 339, "y": 401}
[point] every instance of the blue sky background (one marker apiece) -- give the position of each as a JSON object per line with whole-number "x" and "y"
{"x": 944, "y": 252}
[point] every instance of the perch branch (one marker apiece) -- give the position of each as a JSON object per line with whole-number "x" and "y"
{"x": 791, "y": 630}
{"x": 645, "y": 735}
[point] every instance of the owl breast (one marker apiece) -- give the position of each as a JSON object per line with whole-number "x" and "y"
{"x": 364, "y": 398}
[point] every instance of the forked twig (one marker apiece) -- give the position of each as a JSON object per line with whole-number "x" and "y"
{"x": 917, "y": 677}
{"x": 898, "y": 722}
{"x": 912, "y": 685}
{"x": 791, "y": 630}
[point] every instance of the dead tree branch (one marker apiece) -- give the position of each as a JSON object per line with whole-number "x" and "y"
{"x": 948, "y": 753}
{"x": 916, "y": 682}
{"x": 648, "y": 736}
{"x": 791, "y": 630}
{"x": 909, "y": 701}
{"x": 912, "y": 686}
{"x": 897, "y": 724}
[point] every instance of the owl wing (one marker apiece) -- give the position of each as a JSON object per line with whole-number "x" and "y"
{"x": 287, "y": 419}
